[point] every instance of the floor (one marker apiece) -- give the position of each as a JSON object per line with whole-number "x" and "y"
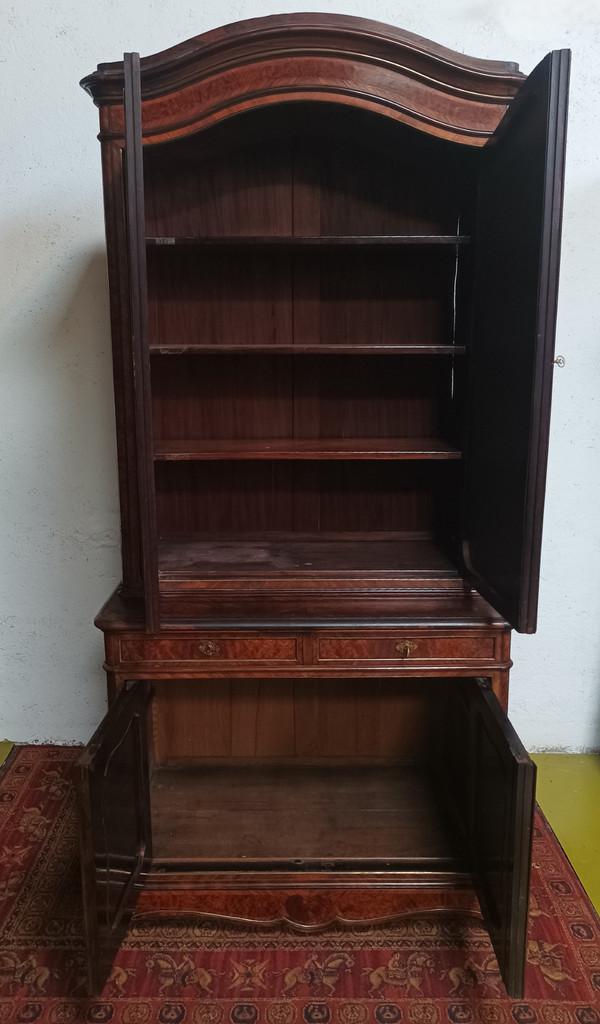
{"x": 568, "y": 791}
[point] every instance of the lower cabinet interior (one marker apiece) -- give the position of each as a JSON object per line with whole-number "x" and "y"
{"x": 222, "y": 784}
{"x": 306, "y": 774}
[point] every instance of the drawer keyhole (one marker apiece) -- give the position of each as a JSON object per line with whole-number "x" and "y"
{"x": 209, "y": 648}
{"x": 406, "y": 647}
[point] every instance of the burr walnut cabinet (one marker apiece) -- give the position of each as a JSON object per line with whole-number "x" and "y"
{"x": 333, "y": 260}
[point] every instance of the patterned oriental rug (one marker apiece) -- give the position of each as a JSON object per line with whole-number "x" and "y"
{"x": 418, "y": 970}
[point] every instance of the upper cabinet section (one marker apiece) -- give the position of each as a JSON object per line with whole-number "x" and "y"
{"x": 333, "y": 261}
{"x": 316, "y": 171}
{"x": 306, "y": 226}
{"x": 321, "y": 57}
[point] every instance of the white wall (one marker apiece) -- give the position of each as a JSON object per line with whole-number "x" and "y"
{"x": 58, "y": 500}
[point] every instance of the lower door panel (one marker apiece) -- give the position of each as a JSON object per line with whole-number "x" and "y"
{"x": 115, "y": 826}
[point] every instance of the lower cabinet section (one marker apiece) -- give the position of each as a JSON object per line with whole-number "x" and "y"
{"x": 397, "y": 780}
{"x": 298, "y": 816}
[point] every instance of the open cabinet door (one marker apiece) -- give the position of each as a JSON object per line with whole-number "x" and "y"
{"x": 488, "y": 785}
{"x": 500, "y": 825}
{"x": 115, "y": 827}
{"x": 517, "y": 246}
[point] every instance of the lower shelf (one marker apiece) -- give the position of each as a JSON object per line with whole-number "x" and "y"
{"x": 188, "y": 558}
{"x": 298, "y": 816}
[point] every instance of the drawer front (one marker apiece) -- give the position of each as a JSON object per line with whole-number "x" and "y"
{"x": 406, "y": 648}
{"x": 212, "y": 649}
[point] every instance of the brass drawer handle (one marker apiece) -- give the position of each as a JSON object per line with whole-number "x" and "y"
{"x": 209, "y": 648}
{"x": 406, "y": 647}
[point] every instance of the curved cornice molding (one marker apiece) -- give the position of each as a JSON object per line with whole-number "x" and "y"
{"x": 320, "y": 56}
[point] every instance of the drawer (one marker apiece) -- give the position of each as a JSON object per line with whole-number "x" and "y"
{"x": 213, "y": 648}
{"x": 399, "y": 647}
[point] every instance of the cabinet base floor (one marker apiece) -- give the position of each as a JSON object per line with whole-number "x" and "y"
{"x": 303, "y": 816}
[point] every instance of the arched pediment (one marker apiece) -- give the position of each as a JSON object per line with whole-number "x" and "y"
{"x": 318, "y": 57}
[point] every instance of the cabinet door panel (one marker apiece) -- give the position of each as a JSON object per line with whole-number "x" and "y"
{"x": 488, "y": 786}
{"x": 115, "y": 828}
{"x": 500, "y": 812}
{"x": 516, "y": 278}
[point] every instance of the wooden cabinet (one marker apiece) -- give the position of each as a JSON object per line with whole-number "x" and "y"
{"x": 333, "y": 260}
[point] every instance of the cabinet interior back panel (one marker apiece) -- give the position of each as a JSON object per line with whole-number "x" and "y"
{"x": 339, "y": 496}
{"x": 262, "y": 396}
{"x": 298, "y": 720}
{"x": 233, "y": 298}
{"x": 306, "y": 169}
{"x": 219, "y": 185}
{"x": 361, "y": 297}
{"x": 256, "y": 296}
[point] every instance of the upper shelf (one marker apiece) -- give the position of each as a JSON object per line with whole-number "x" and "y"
{"x": 305, "y": 241}
{"x": 175, "y": 348}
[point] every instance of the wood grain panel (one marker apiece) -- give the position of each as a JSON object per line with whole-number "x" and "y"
{"x": 231, "y": 182}
{"x": 229, "y": 397}
{"x": 259, "y": 497}
{"x": 307, "y": 169}
{"x": 213, "y": 647}
{"x": 231, "y": 497}
{"x": 302, "y": 172}
{"x": 338, "y": 296}
{"x": 185, "y": 724}
{"x": 383, "y": 397}
{"x": 385, "y": 298}
{"x": 387, "y": 555}
{"x": 272, "y": 728}
{"x": 408, "y": 648}
{"x": 304, "y": 720}
{"x": 237, "y": 397}
{"x": 423, "y": 74}
{"x": 207, "y": 298}
{"x": 297, "y": 79}
{"x": 276, "y": 813}
{"x": 376, "y": 496}
{"x": 380, "y": 178}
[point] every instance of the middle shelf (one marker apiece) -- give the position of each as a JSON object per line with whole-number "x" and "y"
{"x": 249, "y": 406}
{"x": 183, "y": 449}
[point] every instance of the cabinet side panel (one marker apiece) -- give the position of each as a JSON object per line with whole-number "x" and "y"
{"x": 139, "y": 332}
{"x": 116, "y": 244}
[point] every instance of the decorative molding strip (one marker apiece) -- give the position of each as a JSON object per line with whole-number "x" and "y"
{"x": 313, "y": 56}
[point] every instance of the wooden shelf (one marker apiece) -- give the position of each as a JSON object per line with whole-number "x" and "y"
{"x": 181, "y": 450}
{"x": 296, "y": 813}
{"x": 304, "y": 241}
{"x": 343, "y": 554}
{"x": 230, "y": 348}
